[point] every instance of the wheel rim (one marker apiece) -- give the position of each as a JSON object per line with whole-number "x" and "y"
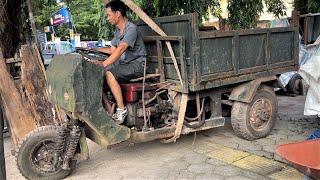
{"x": 260, "y": 113}
{"x": 43, "y": 157}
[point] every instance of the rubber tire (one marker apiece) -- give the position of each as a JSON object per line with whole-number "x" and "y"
{"x": 25, "y": 149}
{"x": 241, "y": 111}
{"x": 291, "y": 86}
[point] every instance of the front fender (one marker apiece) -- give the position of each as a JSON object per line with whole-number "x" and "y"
{"x": 76, "y": 85}
{"x": 246, "y": 91}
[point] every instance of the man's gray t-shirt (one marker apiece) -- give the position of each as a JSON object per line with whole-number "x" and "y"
{"x": 136, "y": 50}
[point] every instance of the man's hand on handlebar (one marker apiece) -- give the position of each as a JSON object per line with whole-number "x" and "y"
{"x": 96, "y": 62}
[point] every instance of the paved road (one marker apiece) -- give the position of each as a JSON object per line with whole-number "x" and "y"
{"x": 212, "y": 154}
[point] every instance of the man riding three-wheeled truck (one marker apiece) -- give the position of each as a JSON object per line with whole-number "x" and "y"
{"x": 212, "y": 75}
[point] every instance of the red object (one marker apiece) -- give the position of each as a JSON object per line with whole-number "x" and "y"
{"x": 305, "y": 156}
{"x": 132, "y": 92}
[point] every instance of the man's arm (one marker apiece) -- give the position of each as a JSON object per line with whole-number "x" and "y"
{"x": 129, "y": 39}
{"x": 107, "y": 50}
{"x": 117, "y": 52}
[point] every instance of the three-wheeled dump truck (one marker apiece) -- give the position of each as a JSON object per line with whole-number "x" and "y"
{"x": 223, "y": 73}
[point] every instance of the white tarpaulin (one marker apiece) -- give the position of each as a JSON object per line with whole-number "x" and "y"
{"x": 310, "y": 72}
{"x": 309, "y": 62}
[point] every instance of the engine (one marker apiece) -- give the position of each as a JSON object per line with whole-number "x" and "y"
{"x": 157, "y": 105}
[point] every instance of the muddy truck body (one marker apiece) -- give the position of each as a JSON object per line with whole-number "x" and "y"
{"x": 223, "y": 74}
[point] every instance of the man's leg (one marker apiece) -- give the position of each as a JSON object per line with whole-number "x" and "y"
{"x": 115, "y": 89}
{"x": 113, "y": 84}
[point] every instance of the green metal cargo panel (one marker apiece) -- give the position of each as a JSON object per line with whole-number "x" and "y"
{"x": 209, "y": 59}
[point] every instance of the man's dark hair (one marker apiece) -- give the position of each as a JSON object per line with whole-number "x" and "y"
{"x": 117, "y": 5}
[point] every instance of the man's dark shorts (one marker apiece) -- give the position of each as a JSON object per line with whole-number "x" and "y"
{"x": 124, "y": 72}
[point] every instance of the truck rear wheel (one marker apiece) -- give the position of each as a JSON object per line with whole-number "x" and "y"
{"x": 256, "y": 119}
{"x": 35, "y": 155}
{"x": 295, "y": 85}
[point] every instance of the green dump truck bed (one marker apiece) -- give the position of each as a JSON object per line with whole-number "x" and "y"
{"x": 210, "y": 59}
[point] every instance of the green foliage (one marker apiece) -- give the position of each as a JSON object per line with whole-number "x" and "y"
{"x": 314, "y": 6}
{"x": 87, "y": 17}
{"x": 244, "y": 14}
{"x": 307, "y": 6}
{"x": 156, "y": 8}
{"x": 43, "y": 10}
{"x": 105, "y": 28}
{"x": 90, "y": 21}
{"x": 301, "y": 5}
{"x": 276, "y": 7}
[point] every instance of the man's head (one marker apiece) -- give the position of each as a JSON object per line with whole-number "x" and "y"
{"x": 115, "y": 10}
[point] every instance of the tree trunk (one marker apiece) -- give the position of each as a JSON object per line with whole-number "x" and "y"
{"x": 13, "y": 26}
{"x": 19, "y": 116}
{"x": 34, "y": 85}
{"x": 26, "y": 107}
{"x": 33, "y": 24}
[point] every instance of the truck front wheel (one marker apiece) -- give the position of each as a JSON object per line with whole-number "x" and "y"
{"x": 256, "y": 119}
{"x": 35, "y": 155}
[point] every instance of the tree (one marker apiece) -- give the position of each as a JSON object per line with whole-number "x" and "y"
{"x": 105, "y": 28}
{"x": 89, "y": 16}
{"x": 25, "y": 102}
{"x": 13, "y": 27}
{"x": 307, "y": 6}
{"x": 156, "y": 8}
{"x": 244, "y": 14}
{"x": 86, "y": 16}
